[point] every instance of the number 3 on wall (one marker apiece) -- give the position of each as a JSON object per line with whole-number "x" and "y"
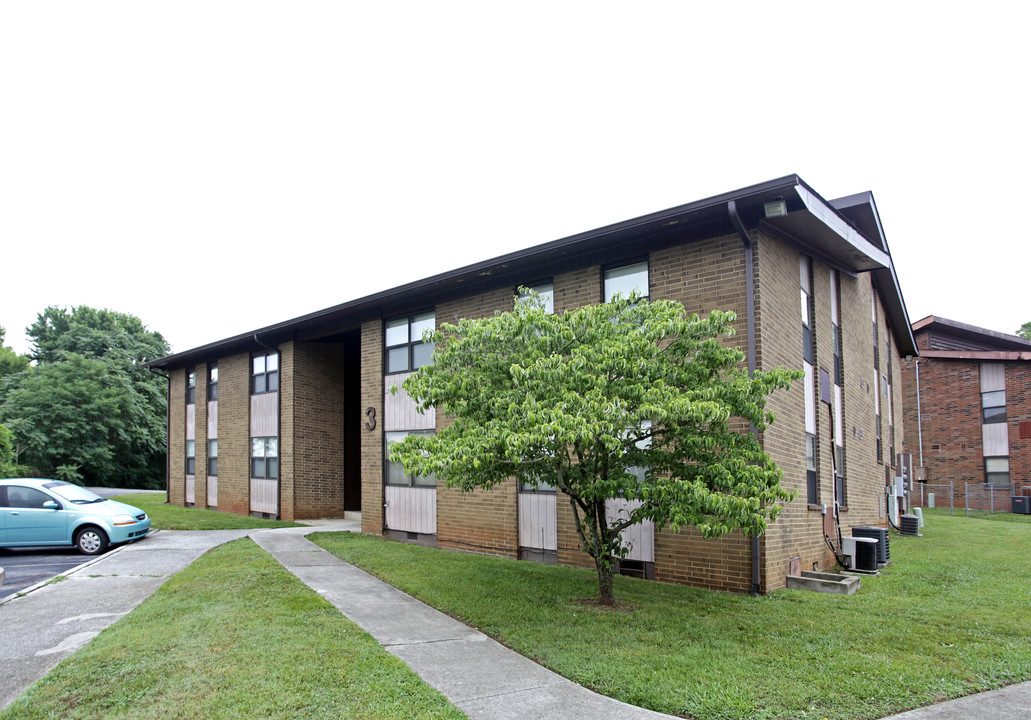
{"x": 370, "y": 414}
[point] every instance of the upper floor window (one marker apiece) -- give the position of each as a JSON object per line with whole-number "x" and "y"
{"x": 405, "y": 349}
{"x": 993, "y": 406}
{"x": 806, "y": 299}
{"x": 265, "y": 373}
{"x": 191, "y": 385}
{"x": 212, "y": 382}
{"x": 625, "y": 279}
{"x": 546, "y": 291}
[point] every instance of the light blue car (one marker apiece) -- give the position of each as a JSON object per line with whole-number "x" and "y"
{"x": 36, "y": 512}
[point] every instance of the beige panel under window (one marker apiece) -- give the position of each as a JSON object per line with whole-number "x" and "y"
{"x": 399, "y": 410}
{"x": 191, "y": 422}
{"x": 265, "y": 415}
{"x": 213, "y": 419}
{"x": 993, "y": 377}
{"x": 995, "y": 439}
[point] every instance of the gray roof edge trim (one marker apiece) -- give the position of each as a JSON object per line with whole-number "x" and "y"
{"x": 956, "y": 324}
{"x": 830, "y": 217}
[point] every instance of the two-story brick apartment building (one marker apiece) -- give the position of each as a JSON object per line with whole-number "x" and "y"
{"x": 967, "y": 402}
{"x": 293, "y": 420}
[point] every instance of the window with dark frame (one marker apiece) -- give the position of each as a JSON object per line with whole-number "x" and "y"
{"x": 265, "y": 458}
{"x": 547, "y": 293}
{"x": 997, "y": 471}
{"x": 812, "y": 487}
{"x": 993, "y": 407}
{"x": 265, "y": 372}
{"x": 212, "y": 382}
{"x": 394, "y": 473}
{"x": 624, "y": 279}
{"x": 191, "y": 385}
{"x": 191, "y": 457}
{"x": 213, "y": 458}
{"x": 405, "y": 349}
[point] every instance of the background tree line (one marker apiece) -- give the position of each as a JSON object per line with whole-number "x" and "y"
{"x": 81, "y": 406}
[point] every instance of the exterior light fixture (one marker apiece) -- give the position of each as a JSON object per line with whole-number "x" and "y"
{"x": 776, "y": 208}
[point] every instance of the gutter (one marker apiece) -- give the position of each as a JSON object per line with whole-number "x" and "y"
{"x": 746, "y": 240}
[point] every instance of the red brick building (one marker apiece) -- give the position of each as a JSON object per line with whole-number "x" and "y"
{"x": 967, "y": 402}
{"x": 293, "y": 420}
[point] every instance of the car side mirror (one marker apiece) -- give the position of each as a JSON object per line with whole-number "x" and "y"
{"x": 51, "y": 505}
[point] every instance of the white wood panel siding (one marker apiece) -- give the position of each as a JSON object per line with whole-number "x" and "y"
{"x": 640, "y": 538}
{"x": 212, "y": 491}
{"x": 191, "y": 422}
{"x": 993, "y": 377}
{"x": 537, "y": 521}
{"x": 839, "y": 424}
{"x": 810, "y": 398}
{"x": 190, "y": 489}
{"x": 213, "y": 420}
{"x": 265, "y": 415}
{"x": 995, "y": 438}
{"x": 412, "y": 509}
{"x": 399, "y": 410}
{"x": 264, "y": 493}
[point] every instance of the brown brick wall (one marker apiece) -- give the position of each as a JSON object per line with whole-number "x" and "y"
{"x": 200, "y": 486}
{"x": 234, "y": 444}
{"x": 799, "y": 531}
{"x": 177, "y": 437}
{"x": 950, "y": 401}
{"x": 484, "y": 521}
{"x": 372, "y": 441}
{"x": 314, "y": 421}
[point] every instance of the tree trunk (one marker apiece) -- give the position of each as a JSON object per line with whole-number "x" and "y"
{"x": 605, "y": 582}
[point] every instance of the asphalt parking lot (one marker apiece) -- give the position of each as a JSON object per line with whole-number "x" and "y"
{"x": 24, "y": 567}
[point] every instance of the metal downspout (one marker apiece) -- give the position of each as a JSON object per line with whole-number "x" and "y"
{"x": 746, "y": 240}
{"x": 919, "y": 419}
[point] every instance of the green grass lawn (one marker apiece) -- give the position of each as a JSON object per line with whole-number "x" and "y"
{"x": 950, "y": 616}
{"x": 232, "y": 636}
{"x": 172, "y": 517}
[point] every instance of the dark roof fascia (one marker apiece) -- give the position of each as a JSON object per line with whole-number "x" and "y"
{"x": 750, "y": 200}
{"x": 976, "y": 355}
{"x": 965, "y": 330}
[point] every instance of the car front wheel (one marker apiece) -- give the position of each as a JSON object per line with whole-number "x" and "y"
{"x": 91, "y": 540}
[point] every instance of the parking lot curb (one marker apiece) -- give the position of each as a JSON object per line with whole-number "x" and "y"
{"x": 72, "y": 571}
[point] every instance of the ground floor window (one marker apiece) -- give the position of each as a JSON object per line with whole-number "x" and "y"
{"x": 394, "y": 472}
{"x": 191, "y": 457}
{"x": 212, "y": 457}
{"x": 997, "y": 470}
{"x": 265, "y": 457}
{"x": 812, "y": 487}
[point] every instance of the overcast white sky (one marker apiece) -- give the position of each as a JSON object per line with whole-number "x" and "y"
{"x": 214, "y": 167}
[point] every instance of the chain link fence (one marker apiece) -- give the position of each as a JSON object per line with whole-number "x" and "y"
{"x": 972, "y": 499}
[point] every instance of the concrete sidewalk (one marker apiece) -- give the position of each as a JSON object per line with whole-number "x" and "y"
{"x": 480, "y": 676}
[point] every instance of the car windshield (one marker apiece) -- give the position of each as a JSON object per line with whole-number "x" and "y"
{"x": 74, "y": 493}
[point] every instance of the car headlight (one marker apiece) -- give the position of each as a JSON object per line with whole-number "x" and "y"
{"x": 123, "y": 520}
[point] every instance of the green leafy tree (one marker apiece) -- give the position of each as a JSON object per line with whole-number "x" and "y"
{"x": 1025, "y": 330}
{"x": 628, "y": 399}
{"x": 89, "y": 402}
{"x": 10, "y": 362}
{"x": 7, "y": 455}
